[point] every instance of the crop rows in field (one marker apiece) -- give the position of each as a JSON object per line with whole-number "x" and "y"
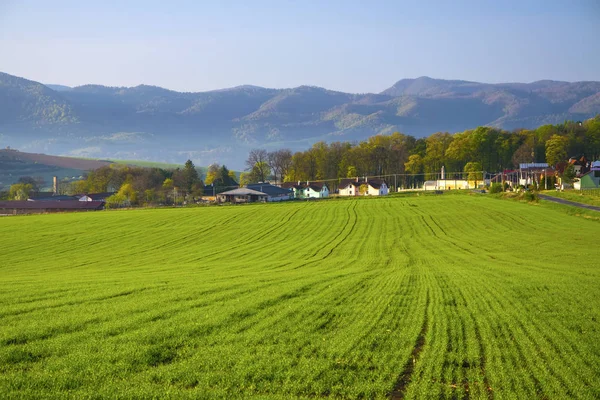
{"x": 417, "y": 297}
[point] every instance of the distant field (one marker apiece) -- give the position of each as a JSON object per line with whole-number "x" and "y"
{"x": 451, "y": 296}
{"x": 148, "y": 164}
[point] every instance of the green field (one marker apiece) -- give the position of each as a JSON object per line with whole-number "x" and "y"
{"x": 451, "y": 296}
{"x": 591, "y": 197}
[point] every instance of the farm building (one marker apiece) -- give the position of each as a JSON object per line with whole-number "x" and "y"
{"x": 37, "y": 207}
{"x": 308, "y": 190}
{"x": 448, "y": 184}
{"x": 274, "y": 193}
{"x": 53, "y": 198}
{"x": 366, "y": 187}
{"x": 95, "y": 196}
{"x": 241, "y": 195}
{"x": 451, "y": 184}
{"x": 529, "y": 173}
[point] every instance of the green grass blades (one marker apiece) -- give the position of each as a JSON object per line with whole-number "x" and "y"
{"x": 458, "y": 296}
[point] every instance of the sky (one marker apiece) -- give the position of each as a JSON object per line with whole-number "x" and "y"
{"x": 351, "y": 46}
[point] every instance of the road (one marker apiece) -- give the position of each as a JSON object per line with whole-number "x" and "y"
{"x": 569, "y": 203}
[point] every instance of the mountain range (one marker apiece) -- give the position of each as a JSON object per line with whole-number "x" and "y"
{"x": 149, "y": 122}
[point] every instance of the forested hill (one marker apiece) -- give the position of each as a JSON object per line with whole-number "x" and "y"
{"x": 155, "y": 123}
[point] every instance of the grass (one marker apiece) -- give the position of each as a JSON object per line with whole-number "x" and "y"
{"x": 591, "y": 197}
{"x": 462, "y": 296}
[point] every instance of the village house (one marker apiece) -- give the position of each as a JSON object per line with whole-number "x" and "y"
{"x": 308, "y": 190}
{"x": 274, "y": 193}
{"x": 580, "y": 165}
{"x": 296, "y": 188}
{"x": 95, "y": 196}
{"x": 316, "y": 190}
{"x": 242, "y": 195}
{"x": 360, "y": 187}
{"x": 589, "y": 180}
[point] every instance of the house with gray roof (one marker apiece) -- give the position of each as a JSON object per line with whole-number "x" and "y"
{"x": 242, "y": 195}
{"x": 274, "y": 193}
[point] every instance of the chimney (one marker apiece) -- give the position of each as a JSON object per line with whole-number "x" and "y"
{"x": 443, "y": 173}
{"x": 298, "y": 183}
{"x": 307, "y": 183}
{"x": 357, "y": 179}
{"x": 55, "y": 185}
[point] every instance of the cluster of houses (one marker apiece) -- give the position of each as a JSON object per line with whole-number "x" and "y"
{"x": 587, "y": 177}
{"x": 303, "y": 190}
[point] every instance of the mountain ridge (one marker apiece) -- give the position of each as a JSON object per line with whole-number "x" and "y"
{"x": 148, "y": 121}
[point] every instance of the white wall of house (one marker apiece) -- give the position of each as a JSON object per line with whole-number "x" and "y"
{"x": 349, "y": 190}
{"x": 311, "y": 194}
{"x": 382, "y": 191}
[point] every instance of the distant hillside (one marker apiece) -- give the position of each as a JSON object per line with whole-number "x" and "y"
{"x": 15, "y": 164}
{"x": 59, "y": 88}
{"x": 148, "y": 122}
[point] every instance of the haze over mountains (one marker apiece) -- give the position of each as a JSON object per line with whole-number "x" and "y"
{"x": 148, "y": 122}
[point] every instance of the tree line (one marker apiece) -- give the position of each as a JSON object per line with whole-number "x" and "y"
{"x": 481, "y": 149}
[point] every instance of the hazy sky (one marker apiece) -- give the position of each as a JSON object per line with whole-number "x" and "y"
{"x": 354, "y": 46}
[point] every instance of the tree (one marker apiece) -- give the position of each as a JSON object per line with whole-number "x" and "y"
{"x": 435, "y": 157}
{"x": 20, "y": 191}
{"x": 569, "y": 174}
{"x": 36, "y": 183}
{"x": 414, "y": 165}
{"x": 258, "y": 165}
{"x": 168, "y": 189}
{"x": 78, "y": 187}
{"x": 363, "y": 189}
{"x": 127, "y": 192}
{"x": 556, "y": 149}
{"x": 212, "y": 173}
{"x": 115, "y": 201}
{"x": 244, "y": 179}
{"x": 280, "y": 162}
{"x": 232, "y": 175}
{"x": 351, "y": 172}
{"x": 190, "y": 175}
{"x": 260, "y": 172}
{"x": 473, "y": 171}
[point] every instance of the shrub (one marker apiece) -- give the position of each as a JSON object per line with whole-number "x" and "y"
{"x": 530, "y": 196}
{"x": 496, "y": 187}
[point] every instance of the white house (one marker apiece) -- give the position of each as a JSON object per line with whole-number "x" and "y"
{"x": 316, "y": 190}
{"x": 377, "y": 187}
{"x": 370, "y": 187}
